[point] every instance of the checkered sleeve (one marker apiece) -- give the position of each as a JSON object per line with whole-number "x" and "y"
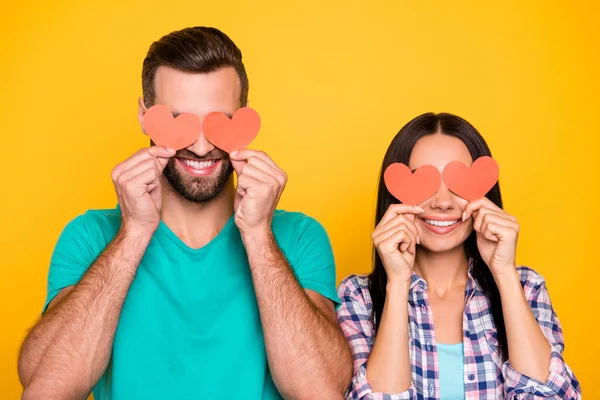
{"x": 354, "y": 318}
{"x": 561, "y": 382}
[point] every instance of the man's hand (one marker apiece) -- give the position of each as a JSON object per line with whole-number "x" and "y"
{"x": 259, "y": 188}
{"x": 137, "y": 183}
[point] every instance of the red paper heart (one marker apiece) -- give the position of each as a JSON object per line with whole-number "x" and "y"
{"x": 232, "y": 134}
{"x": 471, "y": 183}
{"x": 412, "y": 188}
{"x": 176, "y": 133}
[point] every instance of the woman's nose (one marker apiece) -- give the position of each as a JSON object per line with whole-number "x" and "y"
{"x": 442, "y": 199}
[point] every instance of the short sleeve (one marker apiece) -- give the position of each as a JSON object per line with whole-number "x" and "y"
{"x": 313, "y": 260}
{"x": 71, "y": 258}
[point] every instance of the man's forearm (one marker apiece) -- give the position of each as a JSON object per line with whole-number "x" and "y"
{"x": 67, "y": 352}
{"x": 308, "y": 355}
{"x": 529, "y": 350}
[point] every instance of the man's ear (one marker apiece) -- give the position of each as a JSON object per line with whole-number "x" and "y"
{"x": 141, "y": 111}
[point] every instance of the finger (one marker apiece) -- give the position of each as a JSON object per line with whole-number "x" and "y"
{"x": 409, "y": 243}
{"x": 137, "y": 170}
{"x": 140, "y": 184}
{"x": 485, "y": 215}
{"x": 161, "y": 163}
{"x": 161, "y": 151}
{"x": 400, "y": 240}
{"x": 245, "y": 154}
{"x": 501, "y": 226}
{"x": 152, "y": 186}
{"x": 384, "y": 235}
{"x": 495, "y": 210}
{"x": 141, "y": 165}
{"x": 268, "y": 168}
{"x": 246, "y": 183}
{"x": 256, "y": 173}
{"x": 476, "y": 205}
{"x": 480, "y": 214}
{"x": 399, "y": 219}
{"x": 492, "y": 232}
{"x": 238, "y": 165}
{"x": 149, "y": 152}
{"x": 399, "y": 209}
{"x": 142, "y": 154}
{"x": 403, "y": 218}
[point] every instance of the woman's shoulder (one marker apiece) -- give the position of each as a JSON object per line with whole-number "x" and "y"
{"x": 355, "y": 286}
{"x": 529, "y": 276}
{"x": 533, "y": 283}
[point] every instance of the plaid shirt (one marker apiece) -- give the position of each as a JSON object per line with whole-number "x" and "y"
{"x": 486, "y": 376}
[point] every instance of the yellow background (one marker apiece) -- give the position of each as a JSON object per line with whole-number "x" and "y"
{"x": 333, "y": 81}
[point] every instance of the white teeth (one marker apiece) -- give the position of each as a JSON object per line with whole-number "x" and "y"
{"x": 440, "y": 223}
{"x": 198, "y": 164}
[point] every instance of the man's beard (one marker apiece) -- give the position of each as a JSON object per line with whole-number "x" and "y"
{"x": 198, "y": 189}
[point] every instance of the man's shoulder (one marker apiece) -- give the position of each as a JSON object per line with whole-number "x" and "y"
{"x": 95, "y": 224}
{"x": 298, "y": 223}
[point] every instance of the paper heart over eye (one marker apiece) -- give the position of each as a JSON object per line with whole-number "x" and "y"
{"x": 471, "y": 183}
{"x": 232, "y": 134}
{"x": 412, "y": 188}
{"x": 176, "y": 133}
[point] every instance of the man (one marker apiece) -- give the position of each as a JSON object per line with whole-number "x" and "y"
{"x": 192, "y": 288}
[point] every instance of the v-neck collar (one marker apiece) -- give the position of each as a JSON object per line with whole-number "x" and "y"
{"x": 163, "y": 228}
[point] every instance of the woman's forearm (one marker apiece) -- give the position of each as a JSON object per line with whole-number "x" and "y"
{"x": 388, "y": 367}
{"x": 529, "y": 350}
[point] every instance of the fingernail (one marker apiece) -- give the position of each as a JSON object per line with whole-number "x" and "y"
{"x": 170, "y": 150}
{"x": 464, "y": 215}
{"x": 419, "y": 209}
{"x": 418, "y": 240}
{"x": 233, "y": 153}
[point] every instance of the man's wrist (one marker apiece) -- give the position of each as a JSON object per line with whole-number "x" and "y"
{"x": 131, "y": 232}
{"x": 257, "y": 235}
{"x": 132, "y": 242}
{"x": 261, "y": 248}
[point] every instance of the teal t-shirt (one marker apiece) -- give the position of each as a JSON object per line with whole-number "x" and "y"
{"x": 190, "y": 325}
{"x": 451, "y": 366}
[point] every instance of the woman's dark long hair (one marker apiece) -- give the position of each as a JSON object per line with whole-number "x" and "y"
{"x": 399, "y": 151}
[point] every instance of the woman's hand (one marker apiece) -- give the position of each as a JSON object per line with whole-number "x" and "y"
{"x": 396, "y": 238}
{"x": 497, "y": 233}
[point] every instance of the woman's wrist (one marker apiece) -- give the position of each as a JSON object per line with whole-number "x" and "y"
{"x": 398, "y": 286}
{"x": 508, "y": 280}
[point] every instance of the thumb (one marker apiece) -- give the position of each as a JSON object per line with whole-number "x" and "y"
{"x": 488, "y": 236}
{"x": 410, "y": 217}
{"x": 162, "y": 162}
{"x": 237, "y": 166}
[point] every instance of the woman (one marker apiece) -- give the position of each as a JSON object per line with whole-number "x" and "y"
{"x": 446, "y": 314}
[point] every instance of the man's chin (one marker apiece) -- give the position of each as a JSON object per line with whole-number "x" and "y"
{"x": 194, "y": 188}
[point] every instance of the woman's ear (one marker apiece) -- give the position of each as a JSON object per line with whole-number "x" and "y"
{"x": 141, "y": 111}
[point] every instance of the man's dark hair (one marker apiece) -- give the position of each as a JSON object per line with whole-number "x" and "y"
{"x": 197, "y": 49}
